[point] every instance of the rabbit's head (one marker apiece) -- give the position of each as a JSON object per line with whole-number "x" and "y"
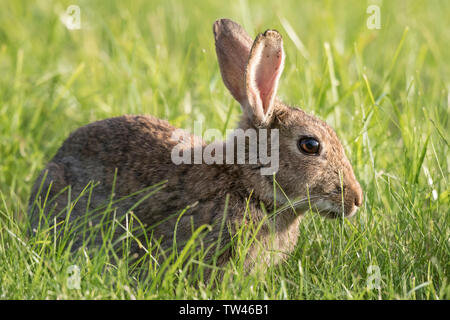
{"x": 313, "y": 169}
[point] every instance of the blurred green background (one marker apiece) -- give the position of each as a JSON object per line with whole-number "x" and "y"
{"x": 385, "y": 91}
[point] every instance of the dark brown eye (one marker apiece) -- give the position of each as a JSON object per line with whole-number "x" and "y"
{"x": 309, "y": 146}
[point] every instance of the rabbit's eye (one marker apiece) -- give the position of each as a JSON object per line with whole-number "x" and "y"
{"x": 309, "y": 146}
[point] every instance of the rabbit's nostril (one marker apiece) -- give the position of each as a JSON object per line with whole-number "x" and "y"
{"x": 358, "y": 199}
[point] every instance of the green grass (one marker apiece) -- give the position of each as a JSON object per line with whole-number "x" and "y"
{"x": 386, "y": 92}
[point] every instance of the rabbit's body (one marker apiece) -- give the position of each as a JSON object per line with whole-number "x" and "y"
{"x": 127, "y": 154}
{"x": 131, "y": 153}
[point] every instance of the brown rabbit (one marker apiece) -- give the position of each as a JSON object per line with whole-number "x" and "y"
{"x": 130, "y": 153}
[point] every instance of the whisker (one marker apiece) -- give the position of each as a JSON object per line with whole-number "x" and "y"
{"x": 295, "y": 203}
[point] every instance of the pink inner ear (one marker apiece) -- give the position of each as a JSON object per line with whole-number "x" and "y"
{"x": 267, "y": 74}
{"x": 264, "y": 69}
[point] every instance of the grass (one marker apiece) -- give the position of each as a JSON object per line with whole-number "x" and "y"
{"x": 385, "y": 91}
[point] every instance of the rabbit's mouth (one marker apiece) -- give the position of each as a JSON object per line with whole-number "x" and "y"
{"x": 330, "y": 214}
{"x": 326, "y": 208}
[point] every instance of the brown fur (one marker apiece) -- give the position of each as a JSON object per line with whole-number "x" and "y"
{"x": 139, "y": 148}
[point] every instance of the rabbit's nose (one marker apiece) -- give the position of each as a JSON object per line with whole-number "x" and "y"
{"x": 358, "y": 196}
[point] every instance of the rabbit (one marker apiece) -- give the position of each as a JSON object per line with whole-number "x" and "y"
{"x": 126, "y": 154}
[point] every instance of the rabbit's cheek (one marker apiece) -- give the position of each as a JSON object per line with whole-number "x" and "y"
{"x": 326, "y": 208}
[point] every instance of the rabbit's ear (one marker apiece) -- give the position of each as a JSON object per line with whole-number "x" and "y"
{"x": 233, "y": 46}
{"x": 263, "y": 71}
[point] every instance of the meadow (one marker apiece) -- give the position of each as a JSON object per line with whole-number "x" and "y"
{"x": 386, "y": 92}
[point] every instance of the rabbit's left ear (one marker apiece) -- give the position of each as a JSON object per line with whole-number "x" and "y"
{"x": 263, "y": 71}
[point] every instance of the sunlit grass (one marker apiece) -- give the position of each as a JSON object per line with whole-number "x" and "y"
{"x": 385, "y": 91}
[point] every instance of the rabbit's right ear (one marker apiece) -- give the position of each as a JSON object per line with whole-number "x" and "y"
{"x": 233, "y": 47}
{"x": 262, "y": 74}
